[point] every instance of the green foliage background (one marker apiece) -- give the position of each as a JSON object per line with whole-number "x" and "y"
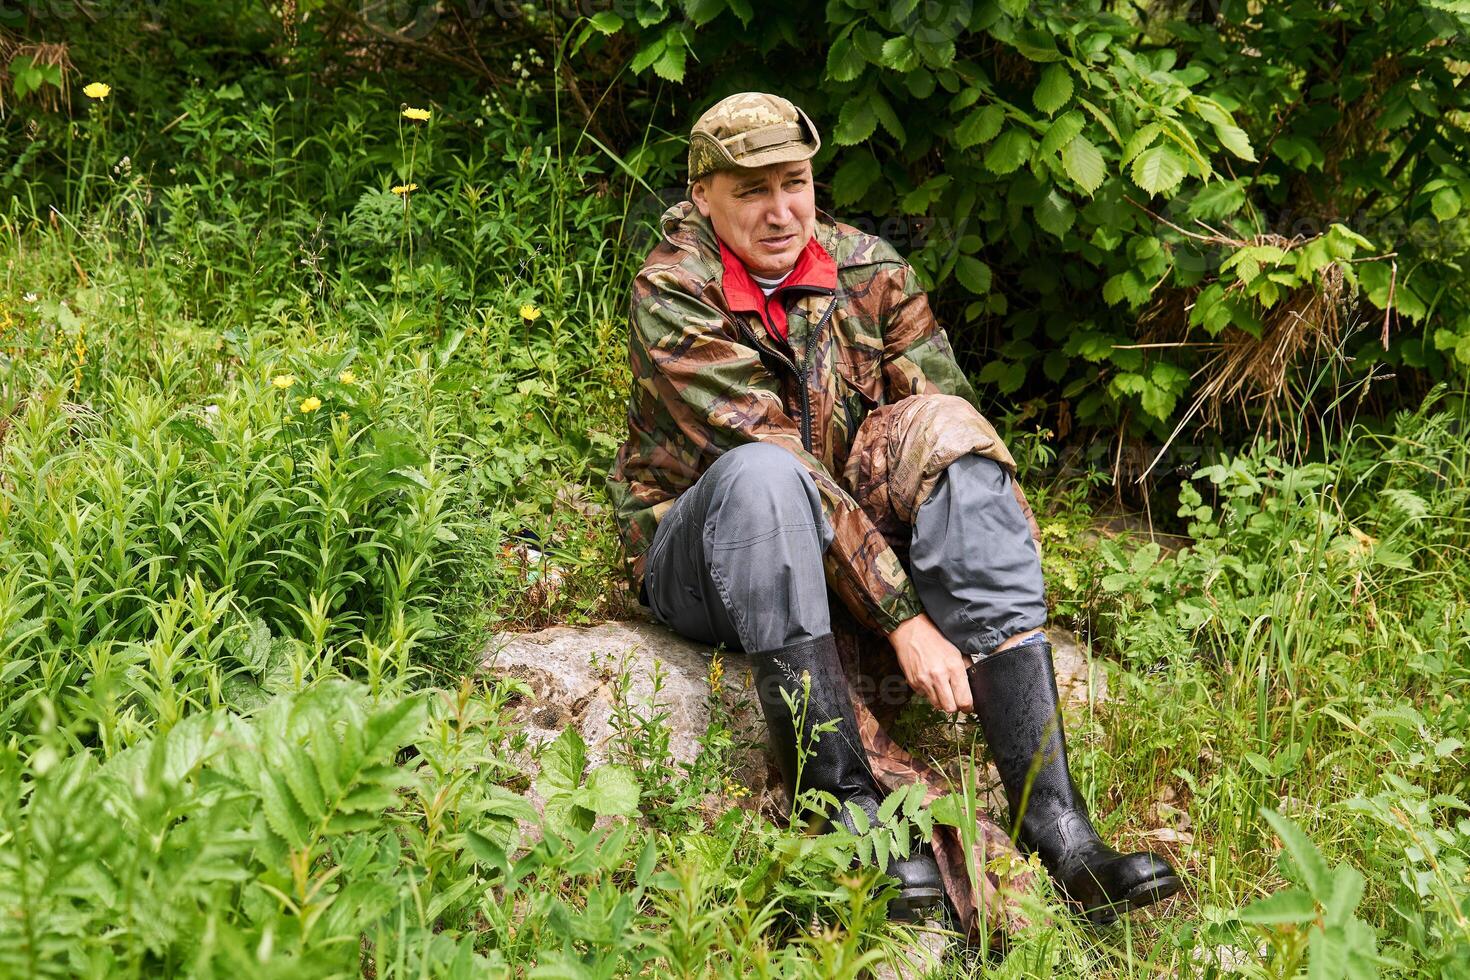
{"x": 1107, "y": 180}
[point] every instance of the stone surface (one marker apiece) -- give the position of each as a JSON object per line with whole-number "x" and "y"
{"x": 1074, "y": 672}
{"x": 574, "y": 673}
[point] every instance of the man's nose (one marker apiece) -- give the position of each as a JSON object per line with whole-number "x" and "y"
{"x": 780, "y": 213}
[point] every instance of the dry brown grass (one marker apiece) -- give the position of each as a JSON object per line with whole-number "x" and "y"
{"x": 1246, "y": 376}
{"x": 1245, "y": 372}
{"x": 40, "y": 53}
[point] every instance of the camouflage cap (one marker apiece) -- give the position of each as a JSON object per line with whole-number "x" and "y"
{"x": 751, "y": 129}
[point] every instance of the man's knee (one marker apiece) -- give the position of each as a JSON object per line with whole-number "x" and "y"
{"x": 985, "y": 475}
{"x": 764, "y": 536}
{"x": 766, "y": 480}
{"x": 754, "y": 460}
{"x": 902, "y": 449}
{"x": 761, "y": 497}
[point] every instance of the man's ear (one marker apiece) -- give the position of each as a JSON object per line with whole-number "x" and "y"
{"x": 699, "y": 194}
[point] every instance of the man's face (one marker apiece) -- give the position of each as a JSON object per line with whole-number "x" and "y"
{"x": 765, "y": 215}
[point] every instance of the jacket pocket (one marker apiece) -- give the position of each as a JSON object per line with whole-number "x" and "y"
{"x": 861, "y": 375}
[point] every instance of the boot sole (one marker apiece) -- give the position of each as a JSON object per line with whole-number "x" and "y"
{"x": 912, "y": 904}
{"x": 1144, "y": 893}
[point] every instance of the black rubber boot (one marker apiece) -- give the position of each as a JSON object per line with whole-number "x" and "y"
{"x": 835, "y": 761}
{"x": 1015, "y": 693}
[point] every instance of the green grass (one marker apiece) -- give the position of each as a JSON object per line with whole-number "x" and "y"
{"x": 237, "y": 631}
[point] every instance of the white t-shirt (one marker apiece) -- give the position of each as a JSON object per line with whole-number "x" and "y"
{"x": 769, "y": 286}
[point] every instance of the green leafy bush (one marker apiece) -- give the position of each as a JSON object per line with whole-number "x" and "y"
{"x": 1110, "y": 200}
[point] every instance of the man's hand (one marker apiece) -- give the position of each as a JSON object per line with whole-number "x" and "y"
{"x": 933, "y": 666}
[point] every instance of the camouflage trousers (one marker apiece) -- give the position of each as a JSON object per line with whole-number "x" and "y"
{"x": 737, "y": 561}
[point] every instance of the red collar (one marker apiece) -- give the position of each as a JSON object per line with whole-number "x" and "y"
{"x": 815, "y": 271}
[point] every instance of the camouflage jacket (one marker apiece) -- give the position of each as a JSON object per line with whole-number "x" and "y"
{"x": 708, "y": 378}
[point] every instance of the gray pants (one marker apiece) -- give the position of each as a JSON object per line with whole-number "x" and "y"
{"x": 738, "y": 559}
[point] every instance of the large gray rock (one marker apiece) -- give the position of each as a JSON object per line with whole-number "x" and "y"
{"x": 574, "y": 674}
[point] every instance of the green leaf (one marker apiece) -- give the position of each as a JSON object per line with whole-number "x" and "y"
{"x": 1157, "y": 401}
{"x": 486, "y": 851}
{"x": 562, "y": 764}
{"x": 701, "y": 12}
{"x": 1054, "y": 89}
{"x": 647, "y": 55}
{"x": 1067, "y": 125}
{"x": 1083, "y": 163}
{"x": 1158, "y": 170}
{"x": 1013, "y": 377}
{"x": 844, "y": 61}
{"x": 281, "y": 812}
{"x": 1055, "y": 213}
{"x": 1290, "y": 905}
{"x": 881, "y": 850}
{"x": 1327, "y": 954}
{"x": 606, "y": 22}
{"x": 1103, "y": 119}
{"x": 856, "y": 122}
{"x": 1445, "y": 204}
{"x": 1008, "y": 152}
{"x": 388, "y": 731}
{"x": 1218, "y": 199}
{"x": 937, "y": 52}
{"x": 888, "y": 118}
{"x": 1347, "y": 891}
{"x": 1055, "y": 365}
{"x": 979, "y": 126}
{"x": 950, "y": 810}
{"x": 973, "y": 274}
{"x": 301, "y": 779}
{"x": 899, "y": 54}
{"x": 1234, "y": 139}
{"x": 564, "y": 814}
{"x": 854, "y": 177}
{"x": 611, "y": 789}
{"x": 670, "y": 63}
{"x": 255, "y": 651}
{"x": 1299, "y": 152}
{"x": 1141, "y": 140}
{"x": 1308, "y": 861}
{"x": 25, "y": 78}
{"x": 921, "y": 198}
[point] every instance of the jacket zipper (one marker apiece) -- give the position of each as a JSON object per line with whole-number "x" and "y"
{"x": 802, "y": 371}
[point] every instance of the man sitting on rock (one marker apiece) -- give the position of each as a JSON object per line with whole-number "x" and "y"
{"x": 797, "y": 420}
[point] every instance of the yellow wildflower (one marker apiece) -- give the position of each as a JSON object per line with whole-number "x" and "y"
{"x": 401, "y": 189}
{"x": 417, "y": 115}
{"x": 283, "y": 381}
{"x": 529, "y": 312}
{"x": 310, "y": 404}
{"x": 342, "y": 416}
{"x": 347, "y": 377}
{"x": 97, "y": 90}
